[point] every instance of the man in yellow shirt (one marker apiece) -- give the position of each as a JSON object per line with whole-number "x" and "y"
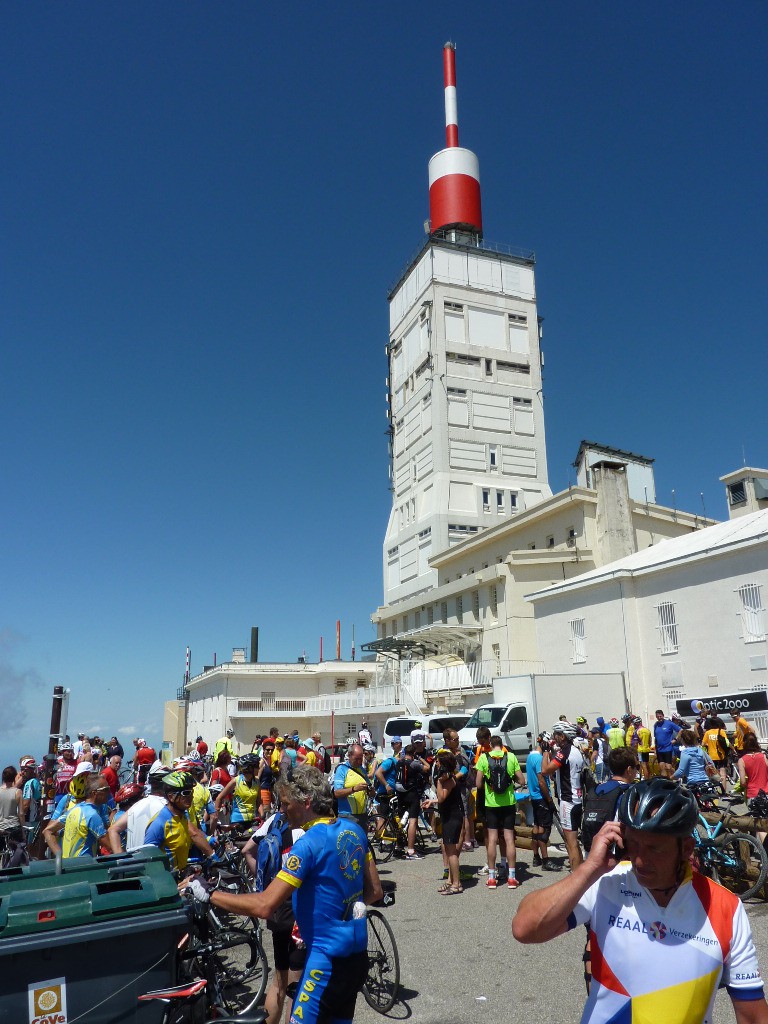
{"x": 643, "y": 748}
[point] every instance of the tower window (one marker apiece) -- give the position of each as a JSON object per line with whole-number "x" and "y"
{"x": 486, "y": 500}
{"x": 493, "y": 456}
{"x": 500, "y": 502}
{"x": 737, "y": 493}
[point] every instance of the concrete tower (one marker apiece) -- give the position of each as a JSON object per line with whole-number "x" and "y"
{"x": 464, "y": 387}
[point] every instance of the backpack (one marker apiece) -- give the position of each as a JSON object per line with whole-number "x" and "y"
{"x": 598, "y": 808}
{"x": 406, "y": 780}
{"x": 499, "y": 779}
{"x": 326, "y": 761}
{"x": 269, "y": 860}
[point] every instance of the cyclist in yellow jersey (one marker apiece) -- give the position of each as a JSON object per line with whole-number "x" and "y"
{"x": 644, "y": 743}
{"x": 244, "y": 790}
{"x": 171, "y": 829}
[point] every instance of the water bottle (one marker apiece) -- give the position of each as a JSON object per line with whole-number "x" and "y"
{"x": 404, "y": 819}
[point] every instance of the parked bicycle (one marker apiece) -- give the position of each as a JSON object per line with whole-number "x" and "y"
{"x": 737, "y": 860}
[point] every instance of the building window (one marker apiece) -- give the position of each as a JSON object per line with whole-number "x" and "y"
{"x": 493, "y": 456}
{"x": 476, "y": 605}
{"x": 430, "y": 614}
{"x": 500, "y": 502}
{"x": 571, "y": 541}
{"x": 460, "y": 609}
{"x": 417, "y": 620}
{"x": 752, "y": 613}
{"x": 516, "y": 318}
{"x": 667, "y": 627}
{"x": 444, "y": 612}
{"x": 550, "y": 541}
{"x": 488, "y": 367}
{"x": 578, "y": 641}
{"x": 513, "y": 500}
{"x": 486, "y": 500}
{"x": 737, "y": 493}
{"x": 493, "y": 595}
{"x": 405, "y": 624}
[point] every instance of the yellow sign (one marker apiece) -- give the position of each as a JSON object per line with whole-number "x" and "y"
{"x": 48, "y": 1002}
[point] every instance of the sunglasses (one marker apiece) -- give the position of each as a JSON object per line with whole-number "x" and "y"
{"x": 103, "y": 789}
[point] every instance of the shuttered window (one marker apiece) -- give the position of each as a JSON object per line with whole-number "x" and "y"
{"x": 578, "y": 641}
{"x": 752, "y": 613}
{"x": 667, "y": 627}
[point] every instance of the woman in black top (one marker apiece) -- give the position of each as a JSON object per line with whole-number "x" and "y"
{"x": 451, "y": 816}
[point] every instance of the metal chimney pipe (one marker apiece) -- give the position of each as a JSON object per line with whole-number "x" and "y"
{"x": 254, "y": 644}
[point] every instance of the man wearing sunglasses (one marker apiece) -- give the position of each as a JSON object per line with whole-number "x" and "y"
{"x": 171, "y": 829}
{"x": 83, "y": 824}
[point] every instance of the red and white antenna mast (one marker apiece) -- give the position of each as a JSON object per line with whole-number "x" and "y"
{"x": 454, "y": 173}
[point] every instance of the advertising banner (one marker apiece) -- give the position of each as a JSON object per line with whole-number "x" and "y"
{"x": 724, "y": 705}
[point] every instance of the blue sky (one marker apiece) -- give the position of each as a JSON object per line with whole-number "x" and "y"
{"x": 204, "y": 205}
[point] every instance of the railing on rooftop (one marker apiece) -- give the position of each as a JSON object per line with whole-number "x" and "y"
{"x": 528, "y": 255}
{"x": 460, "y": 680}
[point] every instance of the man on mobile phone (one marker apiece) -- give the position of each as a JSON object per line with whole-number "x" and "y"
{"x": 663, "y": 937}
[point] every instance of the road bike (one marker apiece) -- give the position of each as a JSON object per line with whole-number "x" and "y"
{"x": 382, "y": 982}
{"x": 392, "y": 836}
{"x": 736, "y": 860}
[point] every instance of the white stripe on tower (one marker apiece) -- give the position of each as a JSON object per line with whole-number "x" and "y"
{"x": 451, "y": 106}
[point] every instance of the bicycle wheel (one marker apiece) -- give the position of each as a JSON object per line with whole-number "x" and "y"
{"x": 740, "y": 863}
{"x": 382, "y": 983}
{"x": 387, "y": 841}
{"x": 238, "y": 967}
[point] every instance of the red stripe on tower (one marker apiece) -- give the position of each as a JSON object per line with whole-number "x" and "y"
{"x": 449, "y": 83}
{"x": 454, "y": 173}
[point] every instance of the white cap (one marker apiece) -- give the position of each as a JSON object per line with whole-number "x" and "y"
{"x": 82, "y": 768}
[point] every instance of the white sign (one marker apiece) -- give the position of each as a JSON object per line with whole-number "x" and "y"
{"x": 48, "y": 1002}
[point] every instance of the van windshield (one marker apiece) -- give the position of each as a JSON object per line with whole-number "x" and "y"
{"x": 486, "y": 716}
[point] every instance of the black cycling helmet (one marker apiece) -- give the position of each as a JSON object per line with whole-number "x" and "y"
{"x": 659, "y": 806}
{"x": 250, "y": 761}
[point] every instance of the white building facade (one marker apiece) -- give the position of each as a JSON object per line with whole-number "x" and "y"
{"x": 684, "y": 619}
{"x": 466, "y": 414}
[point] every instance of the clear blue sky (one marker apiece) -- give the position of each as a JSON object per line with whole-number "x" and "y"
{"x": 204, "y": 205}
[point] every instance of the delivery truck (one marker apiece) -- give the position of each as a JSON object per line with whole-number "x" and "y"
{"x": 526, "y": 705}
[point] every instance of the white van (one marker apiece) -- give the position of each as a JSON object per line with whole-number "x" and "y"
{"x": 432, "y": 724}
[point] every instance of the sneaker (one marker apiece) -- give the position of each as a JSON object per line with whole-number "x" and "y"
{"x": 483, "y": 870}
{"x": 413, "y": 856}
{"x": 536, "y": 860}
{"x": 550, "y": 865}
{"x": 491, "y": 883}
{"x": 512, "y": 883}
{"x": 445, "y": 873}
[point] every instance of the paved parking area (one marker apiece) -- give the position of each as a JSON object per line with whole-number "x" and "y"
{"x": 459, "y": 962}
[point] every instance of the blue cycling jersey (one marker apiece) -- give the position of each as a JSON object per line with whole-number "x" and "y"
{"x": 325, "y": 867}
{"x": 532, "y": 767}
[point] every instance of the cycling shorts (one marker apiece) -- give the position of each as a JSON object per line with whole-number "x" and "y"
{"x": 288, "y": 956}
{"x": 664, "y": 756}
{"x": 409, "y": 801}
{"x": 570, "y": 815}
{"x": 542, "y": 814}
{"x": 328, "y": 988}
{"x": 500, "y": 817}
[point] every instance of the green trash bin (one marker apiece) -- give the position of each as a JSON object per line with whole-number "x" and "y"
{"x": 84, "y": 944}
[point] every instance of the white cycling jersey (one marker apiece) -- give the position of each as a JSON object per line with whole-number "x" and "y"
{"x": 652, "y": 964}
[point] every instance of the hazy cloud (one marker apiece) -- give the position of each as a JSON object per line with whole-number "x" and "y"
{"x": 15, "y": 683}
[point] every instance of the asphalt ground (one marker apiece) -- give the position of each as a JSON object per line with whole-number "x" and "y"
{"x": 459, "y": 962}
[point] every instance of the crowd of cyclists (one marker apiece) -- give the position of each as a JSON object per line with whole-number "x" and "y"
{"x": 451, "y": 789}
{"x": 465, "y": 797}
